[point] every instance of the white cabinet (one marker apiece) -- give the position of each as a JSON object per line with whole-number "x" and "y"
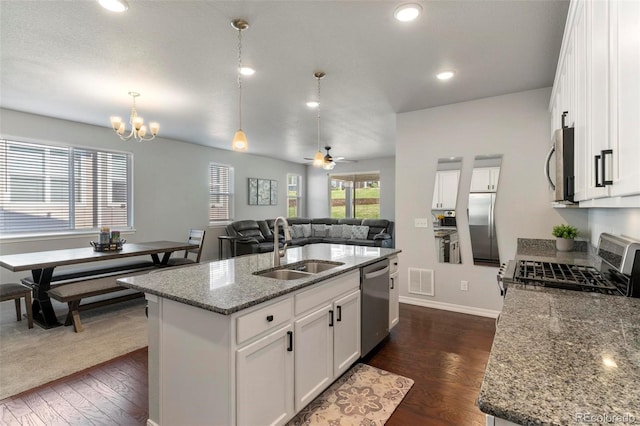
{"x": 485, "y": 179}
{"x": 394, "y": 292}
{"x": 445, "y": 192}
{"x": 597, "y": 83}
{"x": 327, "y": 343}
{"x": 264, "y": 380}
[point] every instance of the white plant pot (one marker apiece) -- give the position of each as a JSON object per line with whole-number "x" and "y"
{"x": 564, "y": 244}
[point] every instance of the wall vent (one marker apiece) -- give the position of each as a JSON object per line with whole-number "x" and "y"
{"x": 421, "y": 281}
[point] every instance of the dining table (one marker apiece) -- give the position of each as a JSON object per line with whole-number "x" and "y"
{"x": 42, "y": 264}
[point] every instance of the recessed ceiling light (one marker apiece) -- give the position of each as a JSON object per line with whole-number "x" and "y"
{"x": 114, "y": 5}
{"x": 445, "y": 75}
{"x": 247, "y": 71}
{"x": 313, "y": 104}
{"x": 407, "y": 12}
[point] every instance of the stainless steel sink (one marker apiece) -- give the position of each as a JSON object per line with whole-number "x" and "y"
{"x": 313, "y": 266}
{"x": 284, "y": 274}
{"x": 298, "y": 270}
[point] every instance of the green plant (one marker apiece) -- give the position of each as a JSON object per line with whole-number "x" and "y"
{"x": 565, "y": 231}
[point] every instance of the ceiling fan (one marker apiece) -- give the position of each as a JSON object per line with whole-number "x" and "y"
{"x": 330, "y": 161}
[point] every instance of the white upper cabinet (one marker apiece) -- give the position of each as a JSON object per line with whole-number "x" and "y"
{"x": 445, "y": 193}
{"x": 485, "y": 179}
{"x": 597, "y": 84}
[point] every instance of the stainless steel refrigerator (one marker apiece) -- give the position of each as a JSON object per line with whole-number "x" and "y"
{"x": 482, "y": 227}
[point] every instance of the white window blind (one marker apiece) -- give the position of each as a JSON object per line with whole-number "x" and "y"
{"x": 37, "y": 197}
{"x": 220, "y": 192}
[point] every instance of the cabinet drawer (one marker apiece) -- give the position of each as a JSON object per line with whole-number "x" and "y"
{"x": 393, "y": 265}
{"x": 326, "y": 291}
{"x": 263, "y": 319}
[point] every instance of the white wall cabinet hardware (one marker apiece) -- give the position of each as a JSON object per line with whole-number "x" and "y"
{"x": 597, "y": 83}
{"x": 445, "y": 193}
{"x": 394, "y": 292}
{"x": 485, "y": 179}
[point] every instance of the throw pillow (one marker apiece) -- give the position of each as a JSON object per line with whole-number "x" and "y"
{"x": 319, "y": 230}
{"x": 346, "y": 231}
{"x": 335, "y": 231}
{"x": 306, "y": 230}
{"x": 296, "y": 231}
{"x": 359, "y": 232}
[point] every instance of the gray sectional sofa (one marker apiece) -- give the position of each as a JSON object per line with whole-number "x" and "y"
{"x": 256, "y": 236}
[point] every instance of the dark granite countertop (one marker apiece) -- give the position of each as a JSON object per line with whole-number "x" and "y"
{"x": 561, "y": 355}
{"x": 228, "y": 286}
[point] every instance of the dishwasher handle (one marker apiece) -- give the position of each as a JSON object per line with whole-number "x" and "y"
{"x": 377, "y": 273}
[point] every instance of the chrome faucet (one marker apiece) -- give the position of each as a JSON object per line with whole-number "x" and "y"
{"x": 277, "y": 253}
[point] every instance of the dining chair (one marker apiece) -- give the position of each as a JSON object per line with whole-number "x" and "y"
{"x": 15, "y": 292}
{"x": 196, "y": 236}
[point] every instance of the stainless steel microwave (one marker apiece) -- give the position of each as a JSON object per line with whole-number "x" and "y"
{"x": 563, "y": 185}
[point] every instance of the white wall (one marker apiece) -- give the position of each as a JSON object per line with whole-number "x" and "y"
{"x": 318, "y": 185}
{"x": 614, "y": 221}
{"x": 170, "y": 182}
{"x": 514, "y": 125}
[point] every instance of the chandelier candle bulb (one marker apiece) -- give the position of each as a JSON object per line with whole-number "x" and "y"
{"x": 142, "y": 131}
{"x": 115, "y": 122}
{"x": 154, "y": 127}
{"x": 121, "y": 129}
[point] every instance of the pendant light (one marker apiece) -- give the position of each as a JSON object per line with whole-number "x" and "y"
{"x": 318, "y": 159}
{"x": 240, "y": 139}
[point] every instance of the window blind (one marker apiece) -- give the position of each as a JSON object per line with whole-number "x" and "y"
{"x": 220, "y": 192}
{"x": 48, "y": 188}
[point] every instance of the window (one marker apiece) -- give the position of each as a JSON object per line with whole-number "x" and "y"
{"x": 294, "y": 196}
{"x": 355, "y": 196}
{"x": 220, "y": 192}
{"x": 38, "y": 198}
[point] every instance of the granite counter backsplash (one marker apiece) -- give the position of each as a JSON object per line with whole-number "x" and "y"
{"x": 545, "y": 251}
{"x": 560, "y": 357}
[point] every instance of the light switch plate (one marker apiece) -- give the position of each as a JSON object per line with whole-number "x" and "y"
{"x": 422, "y": 222}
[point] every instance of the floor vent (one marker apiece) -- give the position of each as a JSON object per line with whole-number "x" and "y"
{"x": 421, "y": 281}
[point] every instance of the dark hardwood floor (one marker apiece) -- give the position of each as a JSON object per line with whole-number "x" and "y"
{"x": 445, "y": 353}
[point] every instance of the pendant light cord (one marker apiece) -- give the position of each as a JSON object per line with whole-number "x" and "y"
{"x": 240, "y": 78}
{"x": 318, "y": 114}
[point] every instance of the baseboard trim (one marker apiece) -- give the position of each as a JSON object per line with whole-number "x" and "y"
{"x": 450, "y": 307}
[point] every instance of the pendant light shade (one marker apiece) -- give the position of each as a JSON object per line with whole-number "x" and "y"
{"x": 240, "y": 139}
{"x": 318, "y": 159}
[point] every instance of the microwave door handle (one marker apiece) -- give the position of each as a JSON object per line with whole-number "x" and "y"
{"x": 546, "y": 166}
{"x": 596, "y": 168}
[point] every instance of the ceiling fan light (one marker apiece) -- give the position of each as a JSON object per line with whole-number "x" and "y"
{"x": 114, "y": 5}
{"x": 318, "y": 159}
{"x": 329, "y": 165}
{"x": 240, "y": 141}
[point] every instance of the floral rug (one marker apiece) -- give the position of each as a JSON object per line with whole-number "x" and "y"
{"x": 364, "y": 395}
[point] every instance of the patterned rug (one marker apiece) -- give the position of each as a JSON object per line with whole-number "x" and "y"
{"x": 364, "y": 395}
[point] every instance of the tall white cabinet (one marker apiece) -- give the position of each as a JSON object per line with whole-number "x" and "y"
{"x": 597, "y": 85}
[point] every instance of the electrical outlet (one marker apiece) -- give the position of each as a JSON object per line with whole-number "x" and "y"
{"x": 421, "y": 222}
{"x": 464, "y": 285}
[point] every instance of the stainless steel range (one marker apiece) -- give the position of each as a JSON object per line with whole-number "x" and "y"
{"x": 619, "y": 273}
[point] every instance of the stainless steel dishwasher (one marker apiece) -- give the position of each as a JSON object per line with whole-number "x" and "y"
{"x": 374, "y": 281}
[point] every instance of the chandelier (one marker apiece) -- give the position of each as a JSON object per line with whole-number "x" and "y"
{"x": 318, "y": 159}
{"x": 138, "y": 128}
{"x": 240, "y": 139}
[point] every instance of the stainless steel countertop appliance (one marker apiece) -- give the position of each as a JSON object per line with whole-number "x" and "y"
{"x": 618, "y": 274}
{"x": 374, "y": 286}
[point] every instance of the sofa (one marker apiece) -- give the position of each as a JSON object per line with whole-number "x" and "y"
{"x": 256, "y": 236}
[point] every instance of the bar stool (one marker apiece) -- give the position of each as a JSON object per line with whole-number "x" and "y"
{"x": 16, "y": 292}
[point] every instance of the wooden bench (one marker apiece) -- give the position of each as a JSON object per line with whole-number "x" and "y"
{"x": 72, "y": 288}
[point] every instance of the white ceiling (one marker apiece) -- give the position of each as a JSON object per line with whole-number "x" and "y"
{"x": 77, "y": 61}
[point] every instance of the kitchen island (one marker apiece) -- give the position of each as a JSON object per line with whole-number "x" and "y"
{"x": 227, "y": 346}
{"x": 564, "y": 358}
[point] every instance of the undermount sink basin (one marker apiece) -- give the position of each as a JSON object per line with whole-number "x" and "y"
{"x": 284, "y": 274}
{"x": 313, "y": 266}
{"x": 298, "y": 270}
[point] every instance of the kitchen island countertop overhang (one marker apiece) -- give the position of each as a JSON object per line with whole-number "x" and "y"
{"x": 229, "y": 286}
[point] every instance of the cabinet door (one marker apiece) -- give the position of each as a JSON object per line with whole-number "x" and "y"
{"x": 494, "y": 176}
{"x": 346, "y": 332}
{"x": 449, "y": 189}
{"x": 625, "y": 102}
{"x": 435, "y": 203}
{"x": 394, "y": 297}
{"x": 264, "y": 380}
{"x": 313, "y": 355}
{"x": 482, "y": 179}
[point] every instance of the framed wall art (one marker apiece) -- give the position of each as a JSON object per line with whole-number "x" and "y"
{"x": 263, "y": 192}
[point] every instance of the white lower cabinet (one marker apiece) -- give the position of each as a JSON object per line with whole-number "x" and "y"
{"x": 346, "y": 333}
{"x": 394, "y": 292}
{"x": 264, "y": 380}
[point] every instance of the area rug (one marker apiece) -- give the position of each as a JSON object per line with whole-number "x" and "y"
{"x": 33, "y": 357}
{"x": 364, "y": 395}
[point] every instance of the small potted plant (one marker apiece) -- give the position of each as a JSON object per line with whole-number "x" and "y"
{"x": 564, "y": 237}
